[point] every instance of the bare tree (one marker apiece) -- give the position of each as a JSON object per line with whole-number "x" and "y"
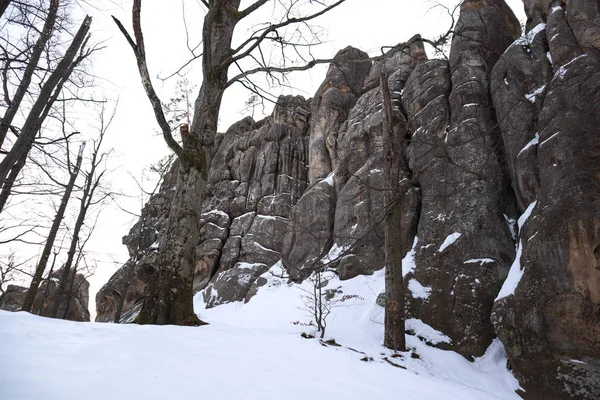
{"x": 169, "y": 293}
{"x": 89, "y": 197}
{"x": 72, "y": 292}
{"x": 33, "y": 77}
{"x": 41, "y": 267}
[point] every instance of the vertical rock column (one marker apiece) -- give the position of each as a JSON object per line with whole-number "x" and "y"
{"x": 464, "y": 246}
{"x": 312, "y": 219}
{"x": 264, "y": 171}
{"x": 548, "y": 313}
{"x": 359, "y": 178}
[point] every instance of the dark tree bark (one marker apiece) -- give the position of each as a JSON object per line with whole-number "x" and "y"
{"x": 47, "y": 291}
{"x": 41, "y": 267}
{"x": 10, "y": 180}
{"x": 70, "y": 293}
{"x": 394, "y": 283}
{"x": 3, "y": 6}
{"x": 169, "y": 293}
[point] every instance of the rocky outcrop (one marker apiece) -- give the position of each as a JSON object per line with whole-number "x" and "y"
{"x": 76, "y": 309}
{"x": 518, "y": 83}
{"x": 455, "y": 158}
{"x": 346, "y": 234}
{"x": 259, "y": 173}
{"x": 548, "y": 314}
{"x": 262, "y": 174}
{"x": 330, "y": 107}
{"x": 505, "y": 128}
{"x": 311, "y": 234}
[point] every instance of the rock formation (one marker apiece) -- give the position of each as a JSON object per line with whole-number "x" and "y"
{"x": 76, "y": 309}
{"x": 465, "y": 193}
{"x": 506, "y": 129}
{"x": 548, "y": 87}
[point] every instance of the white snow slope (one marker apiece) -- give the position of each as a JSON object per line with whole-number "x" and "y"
{"x": 251, "y": 351}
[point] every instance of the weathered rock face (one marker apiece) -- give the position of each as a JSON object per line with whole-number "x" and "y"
{"x": 454, "y": 156}
{"x": 233, "y": 284}
{"x": 109, "y": 295}
{"x": 549, "y": 320}
{"x": 358, "y": 235}
{"x": 75, "y": 310}
{"x": 259, "y": 173}
{"x": 331, "y": 104}
{"x": 261, "y": 176}
{"x": 310, "y": 233}
{"x": 500, "y": 125}
{"x": 518, "y": 83}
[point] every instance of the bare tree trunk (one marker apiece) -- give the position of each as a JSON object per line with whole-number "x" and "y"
{"x": 91, "y": 184}
{"x": 64, "y": 278}
{"x": 48, "y": 94}
{"x": 3, "y": 6}
{"x": 70, "y": 293}
{"x": 171, "y": 285}
{"x": 394, "y": 282}
{"x": 10, "y": 181}
{"x": 39, "y": 271}
{"x": 32, "y": 65}
{"x": 169, "y": 294}
{"x": 47, "y": 291}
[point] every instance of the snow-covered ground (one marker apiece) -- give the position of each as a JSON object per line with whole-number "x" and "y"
{"x": 251, "y": 351}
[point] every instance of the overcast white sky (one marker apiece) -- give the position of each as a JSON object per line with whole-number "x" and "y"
{"x": 366, "y": 24}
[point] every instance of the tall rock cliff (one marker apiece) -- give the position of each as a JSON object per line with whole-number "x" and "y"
{"x": 464, "y": 247}
{"x": 500, "y": 155}
{"x": 546, "y": 87}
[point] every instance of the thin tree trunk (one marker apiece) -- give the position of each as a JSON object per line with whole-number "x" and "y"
{"x": 91, "y": 184}
{"x": 10, "y": 181}
{"x": 43, "y": 103}
{"x": 32, "y": 64}
{"x": 20, "y": 162}
{"x": 45, "y": 295}
{"x": 64, "y": 278}
{"x": 394, "y": 282}
{"x": 39, "y": 271}
{"x": 70, "y": 293}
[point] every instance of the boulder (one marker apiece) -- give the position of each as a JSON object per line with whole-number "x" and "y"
{"x": 233, "y": 284}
